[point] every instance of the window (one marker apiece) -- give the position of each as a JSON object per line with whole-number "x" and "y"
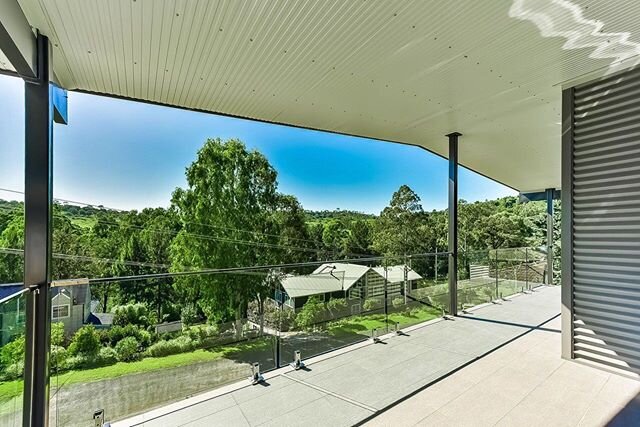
{"x": 355, "y": 309}
{"x": 60, "y": 311}
{"x": 375, "y": 285}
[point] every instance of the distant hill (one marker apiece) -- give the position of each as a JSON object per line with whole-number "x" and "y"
{"x": 83, "y": 216}
{"x": 343, "y": 215}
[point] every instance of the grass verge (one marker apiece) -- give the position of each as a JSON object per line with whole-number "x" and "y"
{"x": 11, "y": 389}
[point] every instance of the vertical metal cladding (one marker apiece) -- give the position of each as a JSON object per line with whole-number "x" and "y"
{"x": 606, "y": 221}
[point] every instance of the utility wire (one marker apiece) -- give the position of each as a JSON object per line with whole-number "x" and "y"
{"x": 245, "y": 269}
{"x": 137, "y": 263}
{"x": 224, "y": 239}
{"x": 56, "y": 255}
{"x": 195, "y": 235}
{"x": 101, "y": 207}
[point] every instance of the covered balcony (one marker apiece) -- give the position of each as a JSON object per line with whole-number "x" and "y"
{"x": 540, "y": 95}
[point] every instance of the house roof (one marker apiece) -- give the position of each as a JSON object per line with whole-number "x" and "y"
{"x": 333, "y": 277}
{"x": 78, "y": 292}
{"x": 310, "y": 284}
{"x": 395, "y": 273}
{"x": 348, "y": 273}
{"x": 100, "y": 318}
{"x": 61, "y": 294}
{"x": 8, "y": 289}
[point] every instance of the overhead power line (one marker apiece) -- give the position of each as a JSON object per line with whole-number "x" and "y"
{"x": 102, "y": 207}
{"x": 56, "y": 255}
{"x": 207, "y": 237}
{"x": 257, "y": 268}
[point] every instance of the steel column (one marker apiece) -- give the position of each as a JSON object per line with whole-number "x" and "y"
{"x": 549, "y": 196}
{"x": 567, "y": 223}
{"x": 37, "y": 238}
{"x": 453, "y": 222}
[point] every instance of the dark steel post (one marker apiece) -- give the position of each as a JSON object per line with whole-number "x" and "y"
{"x": 37, "y": 238}
{"x": 453, "y": 222}
{"x": 278, "y": 342}
{"x": 526, "y": 268}
{"x": 497, "y": 276}
{"x": 386, "y": 296}
{"x": 549, "y": 195}
{"x": 435, "y": 264}
{"x": 567, "y": 258}
{"x": 278, "y": 349}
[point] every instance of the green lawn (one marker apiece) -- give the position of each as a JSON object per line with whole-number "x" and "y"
{"x": 11, "y": 389}
{"x": 365, "y": 324}
{"x": 357, "y": 325}
{"x": 84, "y": 222}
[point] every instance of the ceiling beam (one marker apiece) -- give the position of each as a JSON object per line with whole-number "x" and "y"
{"x": 17, "y": 41}
{"x": 537, "y": 196}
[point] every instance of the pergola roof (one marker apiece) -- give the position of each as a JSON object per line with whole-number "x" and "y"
{"x": 403, "y": 71}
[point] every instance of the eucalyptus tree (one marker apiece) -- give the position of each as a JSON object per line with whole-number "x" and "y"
{"x": 399, "y": 230}
{"x": 225, "y": 212}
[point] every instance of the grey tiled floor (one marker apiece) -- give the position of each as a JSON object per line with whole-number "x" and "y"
{"x": 524, "y": 383}
{"x": 353, "y": 386}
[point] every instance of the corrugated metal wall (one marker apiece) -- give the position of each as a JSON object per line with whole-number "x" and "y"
{"x": 606, "y": 221}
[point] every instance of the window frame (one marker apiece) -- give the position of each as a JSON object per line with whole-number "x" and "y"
{"x": 57, "y": 307}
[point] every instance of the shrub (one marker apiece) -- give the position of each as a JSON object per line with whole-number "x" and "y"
{"x": 107, "y": 356}
{"x": 166, "y": 336}
{"x": 12, "y": 352}
{"x": 286, "y": 320}
{"x": 58, "y": 356}
{"x": 313, "y": 311}
{"x": 189, "y": 315}
{"x": 200, "y": 333}
{"x": 117, "y": 333}
{"x": 85, "y": 342}
{"x": 182, "y": 344}
{"x": 57, "y": 334}
{"x": 128, "y": 349}
{"x": 398, "y": 303}
{"x": 14, "y": 370}
{"x": 371, "y": 304}
{"x": 132, "y": 314}
{"x": 337, "y": 306}
{"x": 76, "y": 362}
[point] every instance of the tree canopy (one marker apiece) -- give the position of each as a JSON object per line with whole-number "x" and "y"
{"x": 231, "y": 214}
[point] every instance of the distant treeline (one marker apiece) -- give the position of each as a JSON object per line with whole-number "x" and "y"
{"x": 231, "y": 214}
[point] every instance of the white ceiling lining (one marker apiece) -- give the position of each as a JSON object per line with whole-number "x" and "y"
{"x": 405, "y": 71}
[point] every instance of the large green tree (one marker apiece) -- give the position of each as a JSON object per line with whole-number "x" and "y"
{"x": 225, "y": 212}
{"x": 400, "y": 227}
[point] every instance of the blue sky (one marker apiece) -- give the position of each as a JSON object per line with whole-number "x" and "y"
{"x": 132, "y": 155}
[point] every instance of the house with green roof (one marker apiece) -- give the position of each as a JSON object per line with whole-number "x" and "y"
{"x": 353, "y": 282}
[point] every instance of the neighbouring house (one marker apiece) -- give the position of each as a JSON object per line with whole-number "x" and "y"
{"x": 71, "y": 306}
{"x": 396, "y": 276}
{"x": 355, "y": 283}
{"x": 97, "y": 319}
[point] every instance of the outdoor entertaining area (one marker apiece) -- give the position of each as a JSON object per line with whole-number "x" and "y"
{"x": 198, "y": 360}
{"x": 539, "y": 95}
{"x": 347, "y": 387}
